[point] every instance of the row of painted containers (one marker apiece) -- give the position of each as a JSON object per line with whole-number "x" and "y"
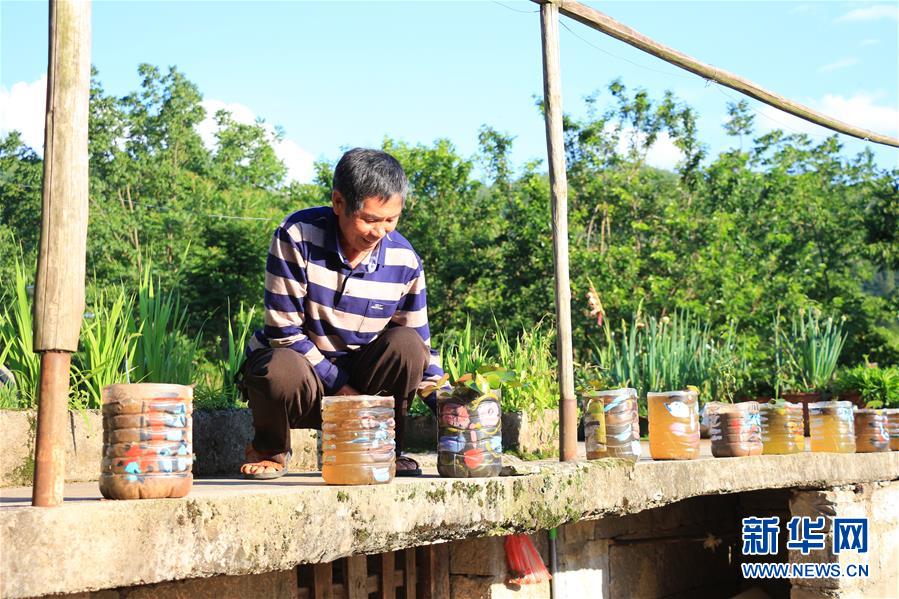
{"x": 147, "y": 449}
{"x": 611, "y": 427}
{"x": 148, "y": 439}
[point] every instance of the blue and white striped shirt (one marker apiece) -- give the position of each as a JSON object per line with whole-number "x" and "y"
{"x": 319, "y": 306}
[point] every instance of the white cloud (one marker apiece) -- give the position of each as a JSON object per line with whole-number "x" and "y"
{"x": 870, "y": 13}
{"x": 23, "y": 108}
{"x": 839, "y": 64}
{"x": 662, "y": 154}
{"x": 860, "y": 110}
{"x": 299, "y": 162}
{"x": 869, "y": 42}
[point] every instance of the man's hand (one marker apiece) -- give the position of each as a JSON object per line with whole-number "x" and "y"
{"x": 346, "y": 390}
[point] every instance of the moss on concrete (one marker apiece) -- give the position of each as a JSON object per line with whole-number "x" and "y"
{"x": 436, "y": 494}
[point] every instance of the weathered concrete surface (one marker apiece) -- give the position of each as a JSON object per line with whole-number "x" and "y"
{"x": 220, "y": 438}
{"x": 83, "y": 443}
{"x": 241, "y": 527}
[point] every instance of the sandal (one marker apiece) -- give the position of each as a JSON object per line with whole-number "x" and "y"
{"x": 254, "y": 458}
{"x": 416, "y": 471}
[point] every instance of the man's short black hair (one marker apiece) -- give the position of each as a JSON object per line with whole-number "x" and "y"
{"x": 362, "y": 173}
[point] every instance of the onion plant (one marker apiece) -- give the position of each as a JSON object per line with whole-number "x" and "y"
{"x": 812, "y": 347}
{"x": 670, "y": 353}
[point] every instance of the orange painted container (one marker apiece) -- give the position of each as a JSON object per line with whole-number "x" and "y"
{"x": 782, "y": 428}
{"x": 832, "y": 427}
{"x": 673, "y": 425}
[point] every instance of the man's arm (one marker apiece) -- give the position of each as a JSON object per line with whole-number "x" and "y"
{"x": 412, "y": 311}
{"x": 285, "y": 291}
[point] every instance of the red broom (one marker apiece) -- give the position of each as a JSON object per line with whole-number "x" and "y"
{"x": 525, "y": 564}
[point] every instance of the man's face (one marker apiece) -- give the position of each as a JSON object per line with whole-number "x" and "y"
{"x": 361, "y": 232}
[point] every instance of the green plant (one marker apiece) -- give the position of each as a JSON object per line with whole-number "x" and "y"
{"x": 16, "y": 345}
{"x": 108, "y": 344}
{"x": 236, "y": 344}
{"x": 619, "y": 358}
{"x": 462, "y": 353}
{"x": 724, "y": 368}
{"x": 530, "y": 357}
{"x": 671, "y": 352}
{"x": 165, "y": 352}
{"x": 878, "y": 387}
{"x": 811, "y": 349}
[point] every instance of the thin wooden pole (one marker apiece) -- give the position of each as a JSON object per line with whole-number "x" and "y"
{"x": 59, "y": 285}
{"x": 601, "y": 22}
{"x": 558, "y": 180}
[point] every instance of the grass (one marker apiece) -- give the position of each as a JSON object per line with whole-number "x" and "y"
{"x": 108, "y": 343}
{"x": 165, "y": 353}
{"x": 119, "y": 341}
{"x": 16, "y": 346}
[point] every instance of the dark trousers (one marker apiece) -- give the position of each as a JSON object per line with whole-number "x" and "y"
{"x": 284, "y": 392}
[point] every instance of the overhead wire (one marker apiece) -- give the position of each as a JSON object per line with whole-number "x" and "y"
{"x": 708, "y": 81}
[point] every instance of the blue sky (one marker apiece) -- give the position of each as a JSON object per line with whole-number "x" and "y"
{"x": 343, "y": 74}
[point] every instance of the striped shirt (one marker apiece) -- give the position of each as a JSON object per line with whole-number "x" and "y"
{"x": 319, "y": 306}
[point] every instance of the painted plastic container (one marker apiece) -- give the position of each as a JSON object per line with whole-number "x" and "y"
{"x": 871, "y": 433}
{"x": 147, "y": 441}
{"x": 782, "y": 428}
{"x": 735, "y": 429}
{"x": 832, "y": 427}
{"x": 673, "y": 425}
{"x": 358, "y": 440}
{"x": 893, "y": 427}
{"x": 470, "y": 442}
{"x": 612, "y": 425}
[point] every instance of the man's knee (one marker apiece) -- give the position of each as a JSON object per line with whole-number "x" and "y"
{"x": 406, "y": 343}
{"x": 279, "y": 373}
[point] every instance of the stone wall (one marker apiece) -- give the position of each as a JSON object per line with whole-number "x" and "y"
{"x": 693, "y": 548}
{"x": 674, "y": 550}
{"x": 522, "y": 433}
{"x": 879, "y": 502}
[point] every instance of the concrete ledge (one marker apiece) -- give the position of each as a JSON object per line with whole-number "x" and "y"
{"x": 231, "y": 526}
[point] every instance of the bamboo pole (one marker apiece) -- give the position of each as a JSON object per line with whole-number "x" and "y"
{"x": 552, "y": 97}
{"x": 59, "y": 285}
{"x": 605, "y": 24}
